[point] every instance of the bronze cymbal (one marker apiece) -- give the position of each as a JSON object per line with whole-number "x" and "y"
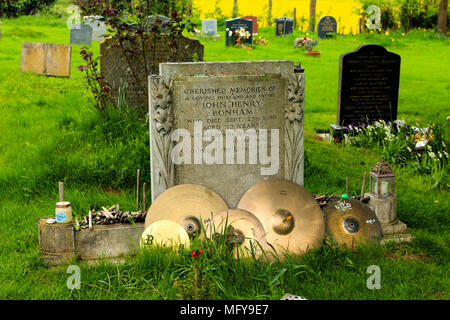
{"x": 242, "y": 230}
{"x": 165, "y": 233}
{"x": 186, "y": 204}
{"x": 351, "y": 222}
{"x": 289, "y": 214}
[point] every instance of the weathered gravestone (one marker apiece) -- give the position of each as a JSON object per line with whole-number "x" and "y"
{"x": 80, "y": 33}
{"x": 225, "y": 125}
{"x": 368, "y": 85}
{"x": 46, "y": 58}
{"x": 114, "y": 65}
{"x": 255, "y": 23}
{"x": 284, "y": 25}
{"x": 325, "y": 26}
{"x": 236, "y": 24}
{"x": 162, "y": 18}
{"x": 209, "y": 27}
{"x": 98, "y": 27}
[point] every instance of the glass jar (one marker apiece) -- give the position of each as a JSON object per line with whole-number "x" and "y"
{"x": 63, "y": 212}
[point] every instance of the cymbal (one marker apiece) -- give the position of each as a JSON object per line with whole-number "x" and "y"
{"x": 185, "y": 204}
{"x": 351, "y": 222}
{"x": 289, "y": 214}
{"x": 241, "y": 229}
{"x": 165, "y": 233}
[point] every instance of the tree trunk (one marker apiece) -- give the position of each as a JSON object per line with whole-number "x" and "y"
{"x": 295, "y": 18}
{"x": 442, "y": 17}
{"x": 235, "y": 9}
{"x": 269, "y": 14}
{"x": 312, "y": 15}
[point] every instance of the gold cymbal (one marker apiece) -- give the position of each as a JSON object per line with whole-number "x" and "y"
{"x": 185, "y": 204}
{"x": 242, "y": 230}
{"x": 289, "y": 214}
{"x": 165, "y": 233}
{"x": 351, "y": 222}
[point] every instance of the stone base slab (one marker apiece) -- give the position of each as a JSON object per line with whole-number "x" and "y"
{"x": 404, "y": 237}
{"x": 60, "y": 243}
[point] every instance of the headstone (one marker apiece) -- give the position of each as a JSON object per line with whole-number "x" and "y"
{"x": 255, "y": 23}
{"x": 80, "y": 33}
{"x": 368, "y": 85}
{"x": 326, "y": 25}
{"x": 284, "y": 25}
{"x": 225, "y": 125}
{"x": 209, "y": 27}
{"x": 98, "y": 27}
{"x": 236, "y": 24}
{"x": 46, "y": 58}
{"x": 114, "y": 65}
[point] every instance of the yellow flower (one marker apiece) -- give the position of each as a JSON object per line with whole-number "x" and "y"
{"x": 393, "y": 39}
{"x": 431, "y": 137}
{"x": 435, "y": 201}
{"x": 371, "y": 31}
{"x": 387, "y": 33}
{"x": 403, "y": 34}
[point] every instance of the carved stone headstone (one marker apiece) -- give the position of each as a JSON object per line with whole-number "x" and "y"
{"x": 284, "y": 25}
{"x": 225, "y": 125}
{"x": 209, "y": 27}
{"x": 98, "y": 27}
{"x": 46, "y": 58}
{"x": 114, "y": 65}
{"x": 255, "y": 23}
{"x": 80, "y": 33}
{"x": 368, "y": 85}
{"x": 325, "y": 26}
{"x": 236, "y": 24}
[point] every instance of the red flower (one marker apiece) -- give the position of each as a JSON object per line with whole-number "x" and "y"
{"x": 196, "y": 253}
{"x": 336, "y": 139}
{"x": 81, "y": 68}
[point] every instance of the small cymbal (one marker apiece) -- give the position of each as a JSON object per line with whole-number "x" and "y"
{"x": 289, "y": 214}
{"x": 351, "y": 222}
{"x": 165, "y": 233}
{"x": 186, "y": 204}
{"x": 242, "y": 230}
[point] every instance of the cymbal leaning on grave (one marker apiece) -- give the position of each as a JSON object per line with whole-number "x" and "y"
{"x": 186, "y": 204}
{"x": 351, "y": 222}
{"x": 290, "y": 215}
{"x": 242, "y": 230}
{"x": 165, "y": 233}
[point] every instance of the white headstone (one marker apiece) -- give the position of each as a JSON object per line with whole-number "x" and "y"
{"x": 98, "y": 27}
{"x": 209, "y": 27}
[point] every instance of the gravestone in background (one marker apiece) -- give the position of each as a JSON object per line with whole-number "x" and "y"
{"x": 80, "y": 33}
{"x": 255, "y": 23}
{"x": 209, "y": 27}
{"x": 98, "y": 27}
{"x": 152, "y": 18}
{"x": 368, "y": 85}
{"x": 326, "y": 24}
{"x": 192, "y": 105}
{"x": 114, "y": 66}
{"x": 46, "y": 58}
{"x": 284, "y": 25}
{"x": 236, "y": 24}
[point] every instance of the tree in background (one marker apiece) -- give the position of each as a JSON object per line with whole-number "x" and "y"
{"x": 442, "y": 17}
{"x": 269, "y": 14}
{"x": 312, "y": 15}
{"x": 235, "y": 9}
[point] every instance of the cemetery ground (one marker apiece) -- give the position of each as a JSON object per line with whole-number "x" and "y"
{"x": 49, "y": 132}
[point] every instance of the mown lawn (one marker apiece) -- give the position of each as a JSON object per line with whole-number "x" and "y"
{"x": 49, "y": 132}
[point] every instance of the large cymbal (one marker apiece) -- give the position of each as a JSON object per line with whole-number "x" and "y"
{"x": 351, "y": 222}
{"x": 165, "y": 233}
{"x": 185, "y": 204}
{"x": 242, "y": 230}
{"x": 289, "y": 214}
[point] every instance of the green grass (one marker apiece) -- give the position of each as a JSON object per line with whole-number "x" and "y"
{"x": 49, "y": 132}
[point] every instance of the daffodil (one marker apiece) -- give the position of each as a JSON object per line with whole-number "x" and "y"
{"x": 387, "y": 33}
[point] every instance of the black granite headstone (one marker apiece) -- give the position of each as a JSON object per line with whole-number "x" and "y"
{"x": 236, "y": 24}
{"x": 368, "y": 85}
{"x": 326, "y": 25}
{"x": 284, "y": 25}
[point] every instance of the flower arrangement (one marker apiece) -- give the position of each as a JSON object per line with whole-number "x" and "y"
{"x": 306, "y": 44}
{"x": 239, "y": 35}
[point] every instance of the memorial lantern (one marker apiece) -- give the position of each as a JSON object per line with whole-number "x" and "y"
{"x": 382, "y": 180}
